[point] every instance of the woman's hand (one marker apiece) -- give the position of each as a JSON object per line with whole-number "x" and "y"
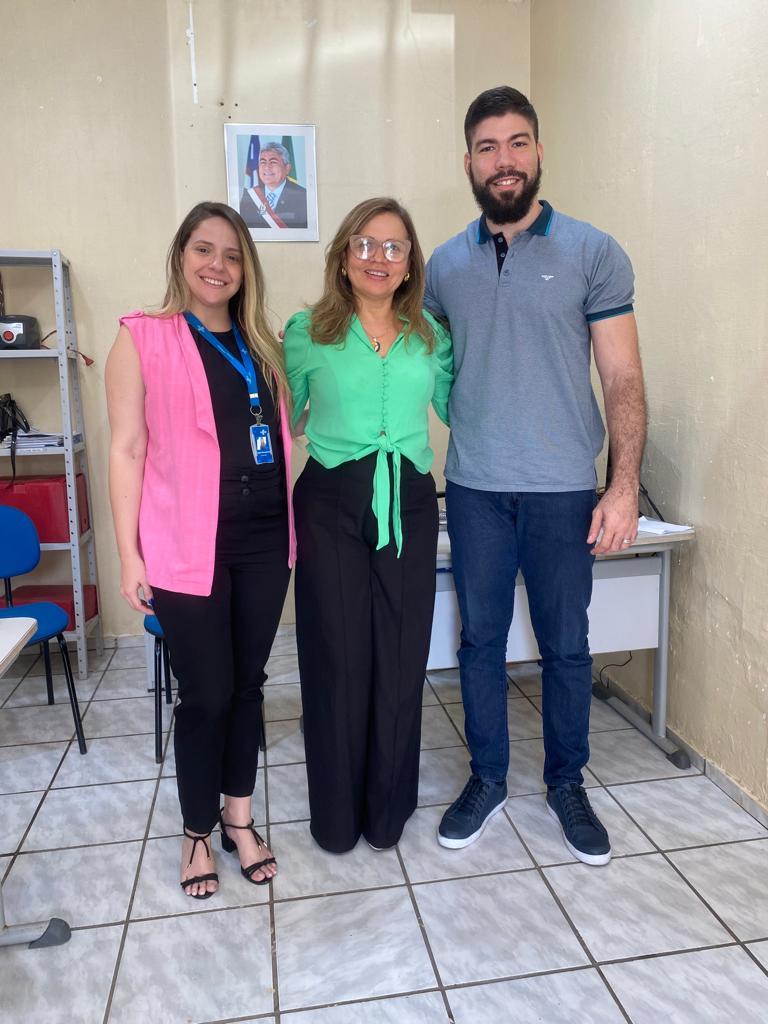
{"x": 134, "y": 586}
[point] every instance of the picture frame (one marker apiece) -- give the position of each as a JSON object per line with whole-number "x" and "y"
{"x": 272, "y": 180}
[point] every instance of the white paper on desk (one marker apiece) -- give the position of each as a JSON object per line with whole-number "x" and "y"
{"x": 657, "y": 526}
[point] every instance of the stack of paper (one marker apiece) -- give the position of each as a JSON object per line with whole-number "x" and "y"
{"x": 34, "y": 438}
{"x": 659, "y": 527}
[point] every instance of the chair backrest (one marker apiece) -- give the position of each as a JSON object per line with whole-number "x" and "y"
{"x": 19, "y": 543}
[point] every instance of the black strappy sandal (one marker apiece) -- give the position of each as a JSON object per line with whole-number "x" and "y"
{"x": 210, "y": 877}
{"x": 230, "y": 846}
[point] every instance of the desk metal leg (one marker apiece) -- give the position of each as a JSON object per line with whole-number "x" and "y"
{"x": 54, "y": 932}
{"x": 656, "y": 730}
{"x": 661, "y": 658}
{"x": 660, "y": 669}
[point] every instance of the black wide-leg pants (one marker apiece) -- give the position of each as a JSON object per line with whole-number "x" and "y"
{"x": 363, "y": 625}
{"x": 219, "y": 646}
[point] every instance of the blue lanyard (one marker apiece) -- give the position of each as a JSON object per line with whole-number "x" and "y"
{"x": 244, "y": 365}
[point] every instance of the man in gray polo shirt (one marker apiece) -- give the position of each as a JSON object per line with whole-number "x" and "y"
{"x": 529, "y": 294}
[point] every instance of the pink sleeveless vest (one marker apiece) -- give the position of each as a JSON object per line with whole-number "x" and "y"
{"x": 180, "y": 493}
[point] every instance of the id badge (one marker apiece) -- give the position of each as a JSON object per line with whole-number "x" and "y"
{"x": 261, "y": 444}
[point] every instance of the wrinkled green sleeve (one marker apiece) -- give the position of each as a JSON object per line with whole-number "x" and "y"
{"x": 296, "y": 348}
{"x": 443, "y": 356}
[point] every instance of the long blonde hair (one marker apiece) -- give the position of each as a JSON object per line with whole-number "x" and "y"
{"x": 247, "y": 307}
{"x": 332, "y": 313}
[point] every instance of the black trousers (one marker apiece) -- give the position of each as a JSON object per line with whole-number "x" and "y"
{"x": 220, "y": 644}
{"x": 363, "y": 625}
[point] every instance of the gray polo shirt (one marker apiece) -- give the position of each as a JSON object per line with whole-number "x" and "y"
{"x": 523, "y": 413}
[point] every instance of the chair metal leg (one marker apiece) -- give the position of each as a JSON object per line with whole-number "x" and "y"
{"x": 72, "y": 694}
{"x": 158, "y": 702}
{"x": 48, "y": 671}
{"x": 167, "y": 670}
{"x": 53, "y": 932}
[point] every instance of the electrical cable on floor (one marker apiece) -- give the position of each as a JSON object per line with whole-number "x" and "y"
{"x": 617, "y": 664}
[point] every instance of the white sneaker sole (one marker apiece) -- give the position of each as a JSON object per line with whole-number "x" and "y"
{"x": 595, "y": 859}
{"x": 459, "y": 844}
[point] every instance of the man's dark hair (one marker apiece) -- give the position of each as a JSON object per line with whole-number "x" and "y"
{"x": 503, "y": 99}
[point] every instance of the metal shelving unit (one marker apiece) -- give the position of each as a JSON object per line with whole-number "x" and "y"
{"x": 82, "y": 548}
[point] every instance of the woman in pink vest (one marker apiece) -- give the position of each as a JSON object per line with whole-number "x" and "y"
{"x": 200, "y": 490}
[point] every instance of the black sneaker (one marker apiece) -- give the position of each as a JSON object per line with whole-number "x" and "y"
{"x": 466, "y": 818}
{"x": 583, "y": 832}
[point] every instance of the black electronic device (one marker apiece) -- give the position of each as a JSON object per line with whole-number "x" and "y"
{"x": 18, "y": 332}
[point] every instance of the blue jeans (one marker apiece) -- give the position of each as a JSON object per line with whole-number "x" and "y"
{"x": 544, "y": 534}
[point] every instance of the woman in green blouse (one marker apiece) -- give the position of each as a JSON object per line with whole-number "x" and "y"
{"x": 369, "y": 360}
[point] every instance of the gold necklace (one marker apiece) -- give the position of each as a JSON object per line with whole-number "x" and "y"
{"x": 376, "y": 341}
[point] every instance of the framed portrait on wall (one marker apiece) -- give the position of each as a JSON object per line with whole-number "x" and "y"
{"x": 272, "y": 180}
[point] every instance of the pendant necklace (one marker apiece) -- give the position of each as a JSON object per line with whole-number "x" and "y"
{"x": 376, "y": 344}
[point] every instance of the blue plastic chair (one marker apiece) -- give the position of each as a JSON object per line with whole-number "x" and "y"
{"x": 162, "y": 663}
{"x": 19, "y": 554}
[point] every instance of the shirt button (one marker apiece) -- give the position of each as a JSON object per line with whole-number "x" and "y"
{"x": 246, "y": 491}
{"x": 244, "y": 479}
{"x": 506, "y": 273}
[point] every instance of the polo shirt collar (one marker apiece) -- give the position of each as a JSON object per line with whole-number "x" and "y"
{"x": 540, "y": 226}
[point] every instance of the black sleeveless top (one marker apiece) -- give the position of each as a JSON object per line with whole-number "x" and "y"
{"x": 232, "y": 411}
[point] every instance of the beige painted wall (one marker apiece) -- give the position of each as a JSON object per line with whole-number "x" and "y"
{"x": 654, "y": 123}
{"x": 656, "y": 128}
{"x": 109, "y": 150}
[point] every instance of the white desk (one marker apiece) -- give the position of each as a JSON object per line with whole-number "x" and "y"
{"x": 14, "y": 634}
{"x": 629, "y": 611}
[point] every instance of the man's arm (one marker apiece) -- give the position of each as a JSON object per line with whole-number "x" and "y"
{"x": 617, "y": 357}
{"x": 431, "y": 296}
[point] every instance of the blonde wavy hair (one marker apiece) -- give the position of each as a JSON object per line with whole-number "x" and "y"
{"x": 331, "y": 315}
{"x": 247, "y": 307}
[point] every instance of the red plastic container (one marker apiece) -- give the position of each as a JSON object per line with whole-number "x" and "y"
{"x": 44, "y": 499}
{"x": 57, "y": 593}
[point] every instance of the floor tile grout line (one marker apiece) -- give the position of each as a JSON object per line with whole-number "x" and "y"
{"x": 365, "y": 1001}
{"x": 605, "y": 786}
{"x": 683, "y": 779}
{"x": 82, "y": 846}
{"x": 18, "y": 684}
{"x": 745, "y": 946}
{"x": 286, "y": 900}
{"x": 658, "y": 848}
{"x": 614, "y": 996}
{"x": 689, "y": 884}
{"x": 609, "y": 962}
{"x": 238, "y": 1020}
{"x": 667, "y": 953}
{"x": 62, "y": 704}
{"x": 45, "y": 793}
{"x": 339, "y": 892}
{"x": 582, "y": 942}
{"x": 424, "y": 935}
{"x": 458, "y": 732}
{"x": 540, "y": 871}
{"x": 131, "y": 898}
{"x": 271, "y": 899}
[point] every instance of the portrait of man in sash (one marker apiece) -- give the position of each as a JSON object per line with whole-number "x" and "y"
{"x": 275, "y": 175}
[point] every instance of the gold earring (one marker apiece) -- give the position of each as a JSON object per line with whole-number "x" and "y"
{"x": 407, "y": 277}
{"x": 343, "y": 271}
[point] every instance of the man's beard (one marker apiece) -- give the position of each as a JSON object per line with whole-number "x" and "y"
{"x": 506, "y": 209}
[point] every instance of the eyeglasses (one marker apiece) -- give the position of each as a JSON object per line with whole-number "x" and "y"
{"x": 364, "y": 247}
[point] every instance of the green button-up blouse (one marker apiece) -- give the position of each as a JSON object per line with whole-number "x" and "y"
{"x": 360, "y": 403}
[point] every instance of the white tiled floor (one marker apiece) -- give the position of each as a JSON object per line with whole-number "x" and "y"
{"x": 509, "y": 930}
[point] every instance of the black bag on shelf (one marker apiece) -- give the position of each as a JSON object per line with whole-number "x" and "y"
{"x": 12, "y": 420}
